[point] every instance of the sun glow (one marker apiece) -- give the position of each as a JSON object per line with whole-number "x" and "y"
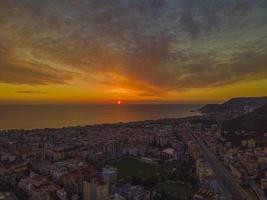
{"x": 119, "y": 102}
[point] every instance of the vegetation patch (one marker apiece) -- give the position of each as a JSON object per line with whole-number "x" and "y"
{"x": 173, "y": 191}
{"x": 134, "y": 168}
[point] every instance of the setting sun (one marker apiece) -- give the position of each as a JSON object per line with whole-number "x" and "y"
{"x": 119, "y": 102}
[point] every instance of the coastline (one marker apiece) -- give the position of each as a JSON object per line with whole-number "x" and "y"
{"x": 101, "y": 124}
{"x": 49, "y": 117}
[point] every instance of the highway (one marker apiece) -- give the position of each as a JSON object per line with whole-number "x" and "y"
{"x": 232, "y": 190}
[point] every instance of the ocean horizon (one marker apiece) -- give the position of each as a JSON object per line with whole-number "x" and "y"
{"x": 58, "y": 116}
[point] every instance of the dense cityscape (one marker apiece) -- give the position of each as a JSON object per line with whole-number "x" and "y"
{"x": 188, "y": 158}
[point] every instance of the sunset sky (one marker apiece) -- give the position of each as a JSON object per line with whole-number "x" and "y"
{"x": 137, "y": 51}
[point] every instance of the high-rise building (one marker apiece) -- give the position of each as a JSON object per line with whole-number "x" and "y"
{"x": 87, "y": 190}
{"x": 93, "y": 190}
{"x": 109, "y": 176}
{"x": 112, "y": 150}
{"x": 102, "y": 191}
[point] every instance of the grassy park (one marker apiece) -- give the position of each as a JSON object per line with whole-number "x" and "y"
{"x": 152, "y": 176}
{"x": 172, "y": 190}
{"x": 131, "y": 167}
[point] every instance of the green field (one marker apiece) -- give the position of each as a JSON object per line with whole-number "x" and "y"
{"x": 131, "y": 167}
{"x": 175, "y": 190}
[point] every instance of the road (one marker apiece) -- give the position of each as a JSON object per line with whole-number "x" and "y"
{"x": 231, "y": 188}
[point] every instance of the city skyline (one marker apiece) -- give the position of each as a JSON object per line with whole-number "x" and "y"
{"x": 147, "y": 51}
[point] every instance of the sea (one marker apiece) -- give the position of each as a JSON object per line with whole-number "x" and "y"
{"x": 57, "y": 116}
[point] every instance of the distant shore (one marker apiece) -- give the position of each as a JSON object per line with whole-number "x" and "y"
{"x": 51, "y": 116}
{"x": 103, "y": 124}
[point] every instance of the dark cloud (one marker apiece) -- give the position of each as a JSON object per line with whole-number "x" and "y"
{"x": 37, "y": 74}
{"x": 212, "y": 73}
{"x": 30, "y": 92}
{"x": 17, "y": 71}
{"x": 163, "y": 44}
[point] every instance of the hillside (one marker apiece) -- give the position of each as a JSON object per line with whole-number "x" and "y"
{"x": 261, "y": 111}
{"x": 244, "y": 101}
{"x": 255, "y": 121}
{"x": 208, "y": 108}
{"x": 235, "y": 103}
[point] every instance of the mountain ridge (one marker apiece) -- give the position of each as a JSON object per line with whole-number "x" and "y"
{"x": 235, "y": 103}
